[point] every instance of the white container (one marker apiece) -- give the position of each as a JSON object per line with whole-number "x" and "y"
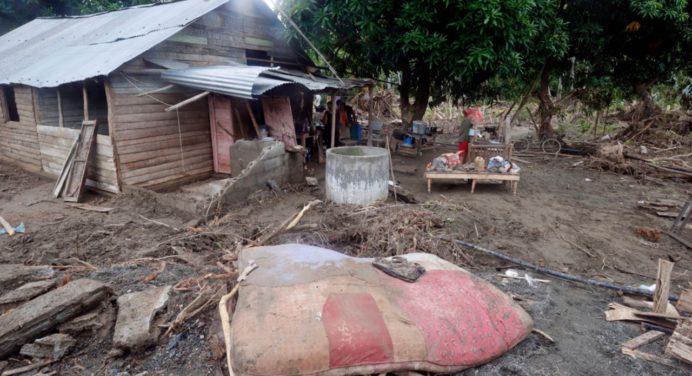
{"x": 357, "y": 175}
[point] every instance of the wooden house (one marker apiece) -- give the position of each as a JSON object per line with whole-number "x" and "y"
{"x": 57, "y": 72}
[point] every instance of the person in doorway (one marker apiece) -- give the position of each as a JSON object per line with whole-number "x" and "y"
{"x": 346, "y": 117}
{"x": 327, "y": 121}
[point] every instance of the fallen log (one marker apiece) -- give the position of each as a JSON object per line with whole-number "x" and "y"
{"x": 38, "y": 316}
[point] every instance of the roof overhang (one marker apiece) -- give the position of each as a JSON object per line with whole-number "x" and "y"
{"x": 250, "y": 82}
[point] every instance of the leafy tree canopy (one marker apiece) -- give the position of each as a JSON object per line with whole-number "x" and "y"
{"x": 442, "y": 48}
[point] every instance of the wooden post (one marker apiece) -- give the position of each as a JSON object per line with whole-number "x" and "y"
{"x": 112, "y": 132}
{"x": 187, "y": 101}
{"x": 86, "y": 101}
{"x": 333, "y": 120}
{"x": 665, "y": 269}
{"x": 252, "y": 118}
{"x": 60, "y": 118}
{"x": 370, "y": 119}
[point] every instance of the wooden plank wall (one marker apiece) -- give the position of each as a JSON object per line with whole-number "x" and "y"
{"x": 55, "y": 146}
{"x": 18, "y": 140}
{"x": 146, "y": 137}
{"x": 223, "y": 35}
{"x": 55, "y": 142}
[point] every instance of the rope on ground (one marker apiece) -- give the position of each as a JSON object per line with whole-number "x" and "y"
{"x": 561, "y": 275}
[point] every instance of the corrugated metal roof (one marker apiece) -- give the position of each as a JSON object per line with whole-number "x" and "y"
{"x": 250, "y": 81}
{"x": 233, "y": 80}
{"x": 48, "y": 52}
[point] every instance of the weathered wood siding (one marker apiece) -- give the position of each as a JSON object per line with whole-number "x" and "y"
{"x": 153, "y": 149}
{"x": 223, "y": 35}
{"x": 18, "y": 139}
{"x": 55, "y": 146}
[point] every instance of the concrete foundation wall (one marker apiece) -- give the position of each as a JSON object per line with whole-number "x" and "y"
{"x": 260, "y": 161}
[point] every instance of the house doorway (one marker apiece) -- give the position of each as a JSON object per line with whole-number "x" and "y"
{"x": 230, "y": 121}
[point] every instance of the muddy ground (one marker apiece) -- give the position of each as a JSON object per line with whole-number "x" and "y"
{"x": 560, "y": 214}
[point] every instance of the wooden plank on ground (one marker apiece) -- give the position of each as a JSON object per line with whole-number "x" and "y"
{"x": 40, "y": 315}
{"x": 665, "y": 269}
{"x": 643, "y": 339}
{"x": 74, "y": 187}
{"x": 619, "y": 312}
{"x": 680, "y": 344}
{"x": 87, "y": 207}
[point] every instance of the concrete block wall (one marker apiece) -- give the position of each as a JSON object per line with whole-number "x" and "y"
{"x": 258, "y": 162}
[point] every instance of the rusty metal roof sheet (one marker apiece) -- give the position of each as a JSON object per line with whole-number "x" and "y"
{"x": 48, "y": 52}
{"x": 234, "y": 80}
{"x": 249, "y": 82}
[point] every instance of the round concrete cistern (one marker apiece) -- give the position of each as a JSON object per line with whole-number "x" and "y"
{"x": 357, "y": 175}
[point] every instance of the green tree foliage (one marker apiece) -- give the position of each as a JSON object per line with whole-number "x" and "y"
{"x": 630, "y": 45}
{"x": 441, "y": 48}
{"x": 621, "y": 48}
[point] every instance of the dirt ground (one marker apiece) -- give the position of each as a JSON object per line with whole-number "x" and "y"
{"x": 560, "y": 214}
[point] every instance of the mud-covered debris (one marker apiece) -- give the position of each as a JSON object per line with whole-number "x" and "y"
{"x": 39, "y": 316}
{"x": 54, "y": 346}
{"x": 311, "y": 181}
{"x": 15, "y": 275}
{"x": 136, "y": 311}
{"x": 27, "y": 291}
{"x": 98, "y": 321}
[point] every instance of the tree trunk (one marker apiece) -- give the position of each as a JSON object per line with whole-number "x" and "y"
{"x": 546, "y": 107}
{"x": 649, "y": 107}
{"x": 416, "y": 110}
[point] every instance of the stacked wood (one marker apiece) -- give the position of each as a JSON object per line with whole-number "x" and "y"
{"x": 680, "y": 344}
{"x": 664, "y": 317}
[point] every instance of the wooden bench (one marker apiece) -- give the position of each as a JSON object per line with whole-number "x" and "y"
{"x": 511, "y": 179}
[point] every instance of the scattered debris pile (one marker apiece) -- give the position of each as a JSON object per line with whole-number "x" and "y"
{"x": 656, "y": 146}
{"x": 659, "y": 318}
{"x": 663, "y": 130}
{"x": 384, "y": 230}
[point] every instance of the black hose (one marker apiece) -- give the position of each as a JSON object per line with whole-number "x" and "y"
{"x": 565, "y": 276}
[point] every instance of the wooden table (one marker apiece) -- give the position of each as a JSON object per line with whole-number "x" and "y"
{"x": 511, "y": 179}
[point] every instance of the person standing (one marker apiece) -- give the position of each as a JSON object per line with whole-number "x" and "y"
{"x": 327, "y": 121}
